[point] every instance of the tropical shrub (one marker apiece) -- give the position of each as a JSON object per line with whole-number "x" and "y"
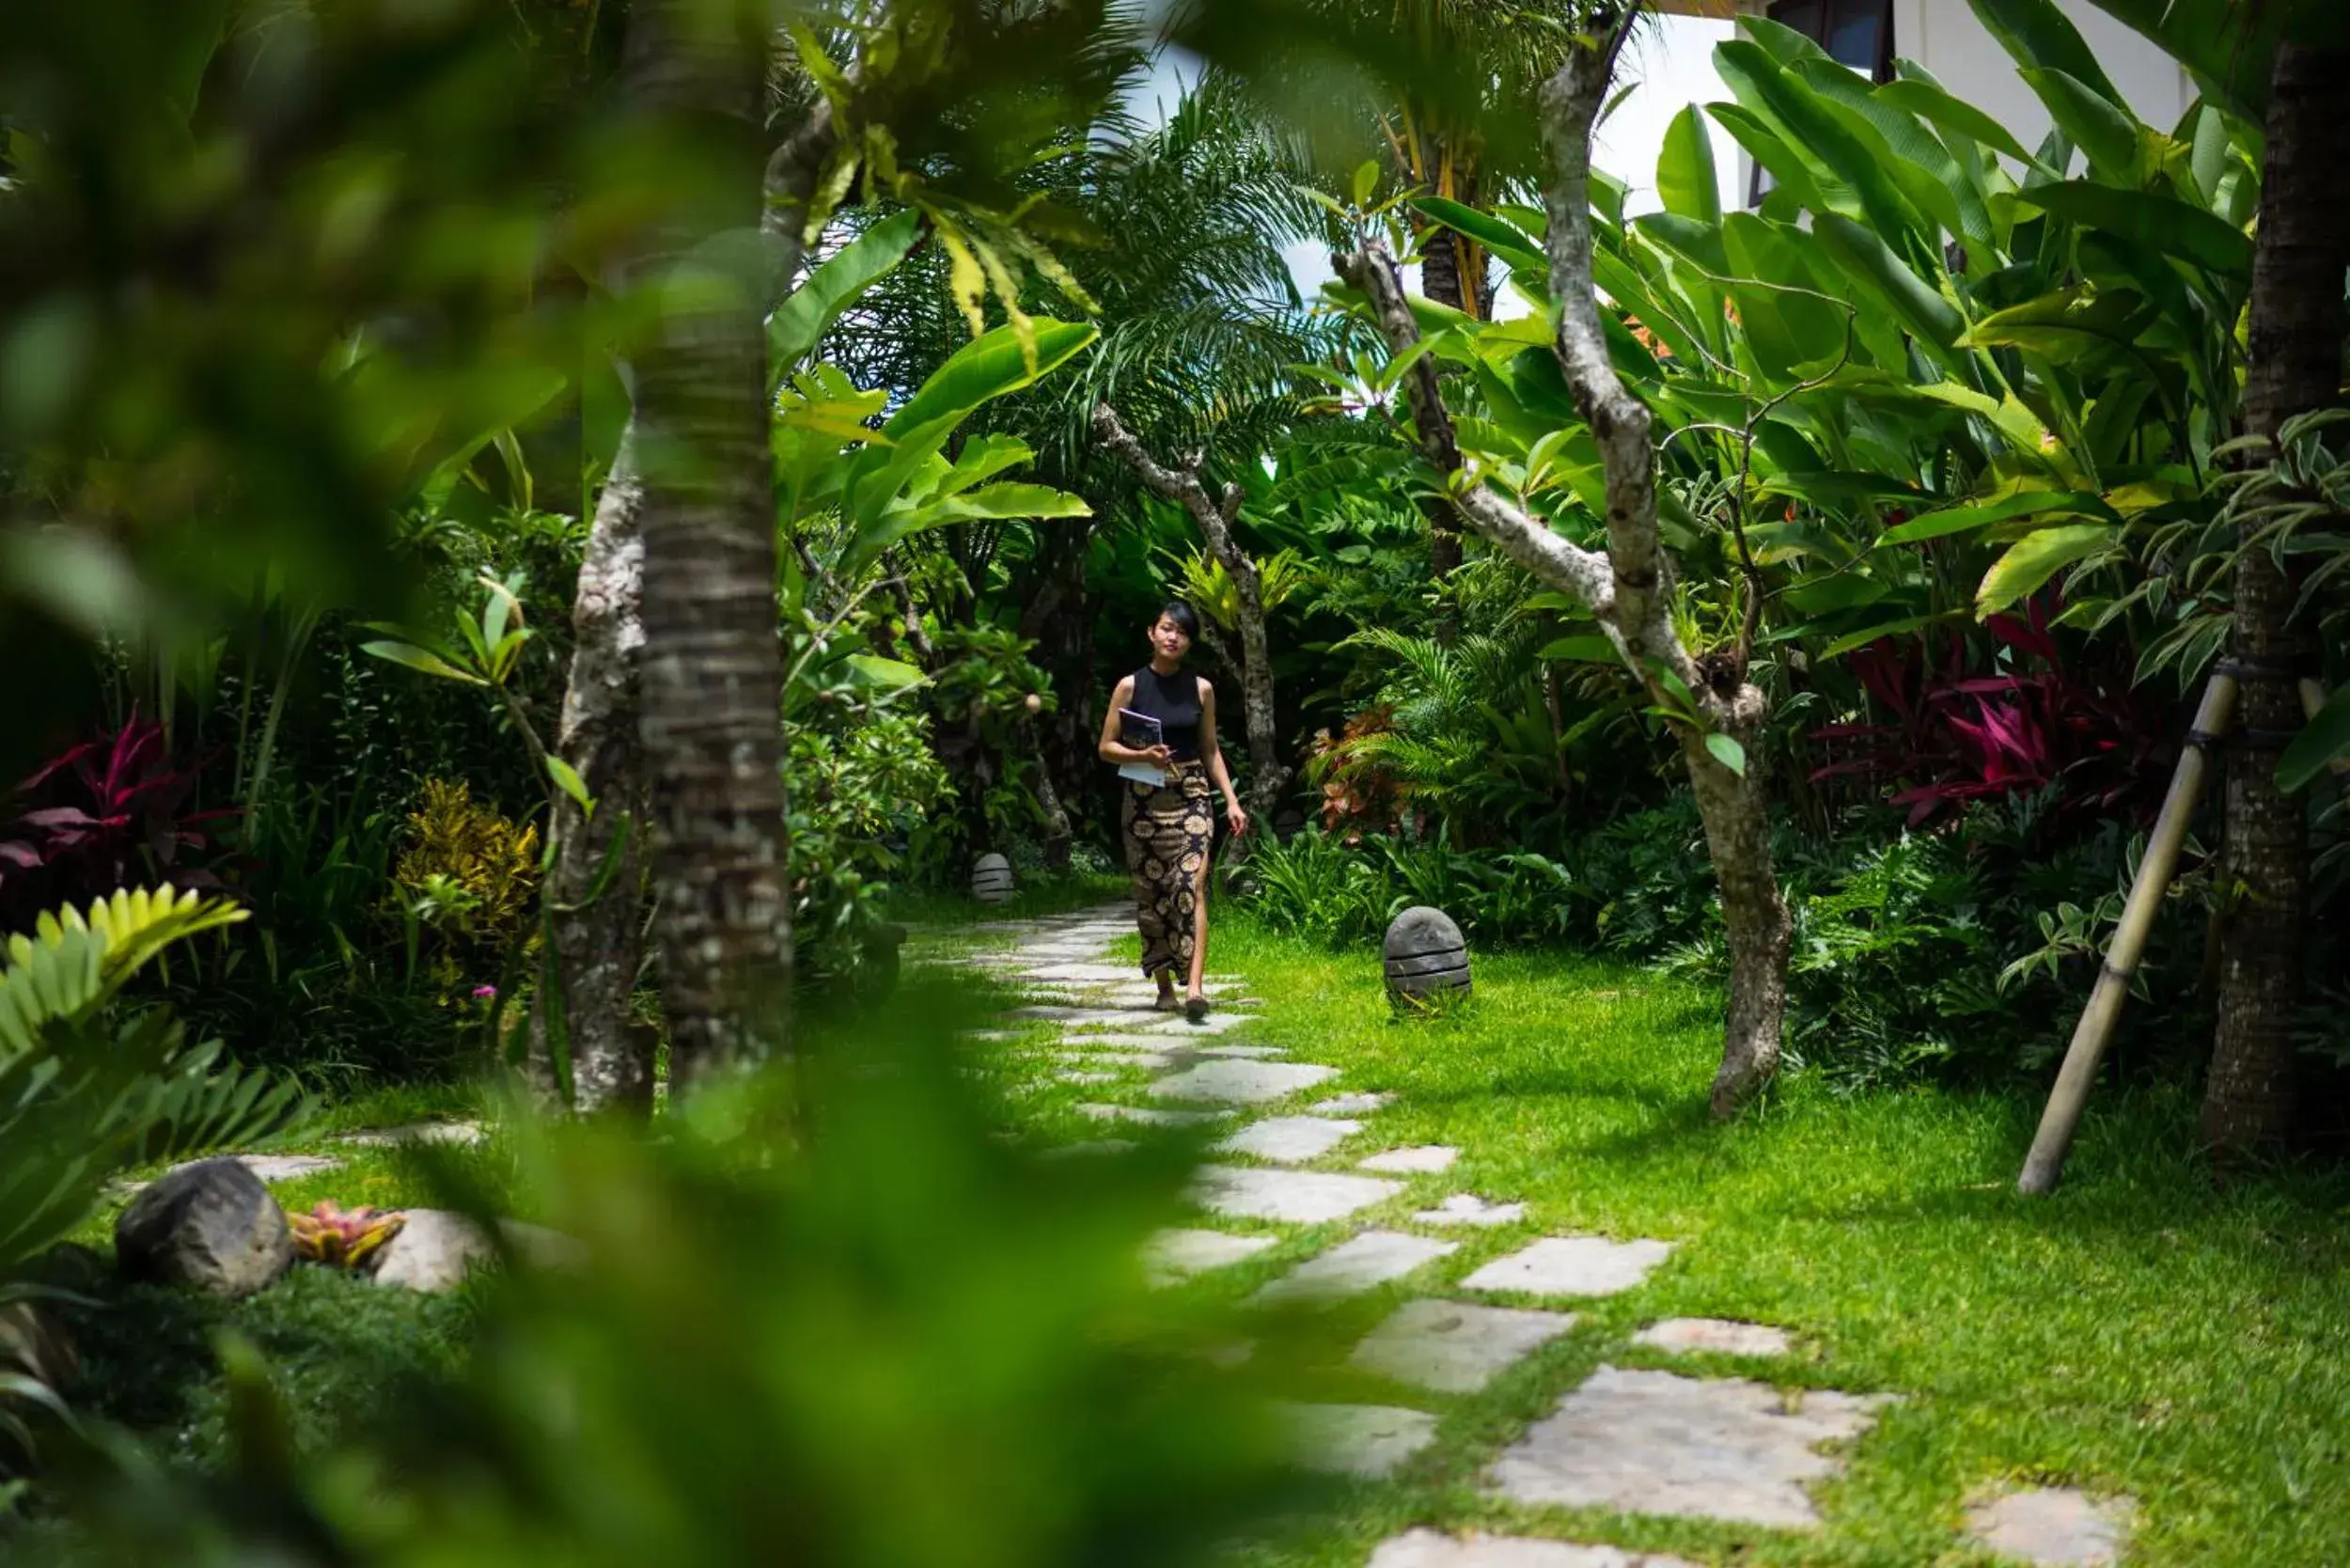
{"x": 87, "y": 1090}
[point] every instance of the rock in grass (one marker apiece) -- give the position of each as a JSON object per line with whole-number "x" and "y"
{"x": 1427, "y": 956}
{"x": 211, "y": 1226}
{"x": 436, "y": 1248}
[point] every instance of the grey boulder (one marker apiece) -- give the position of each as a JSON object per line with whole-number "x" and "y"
{"x": 211, "y": 1226}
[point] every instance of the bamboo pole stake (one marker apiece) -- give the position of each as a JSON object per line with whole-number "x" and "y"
{"x": 2062, "y": 1116}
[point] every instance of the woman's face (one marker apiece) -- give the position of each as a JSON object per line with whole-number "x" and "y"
{"x": 1168, "y": 638}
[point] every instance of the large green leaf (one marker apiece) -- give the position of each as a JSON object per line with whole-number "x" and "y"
{"x": 2325, "y": 738}
{"x": 1687, "y": 179}
{"x": 990, "y": 365}
{"x": 2028, "y": 503}
{"x": 2098, "y": 126}
{"x": 2031, "y": 560}
{"x": 1821, "y": 134}
{"x": 2038, "y": 34}
{"x": 2231, "y": 45}
{"x": 842, "y": 278}
{"x": 1796, "y": 328}
{"x": 1766, "y": 147}
{"x": 1953, "y": 116}
{"x": 1520, "y": 250}
{"x": 2159, "y": 223}
{"x": 1870, "y": 263}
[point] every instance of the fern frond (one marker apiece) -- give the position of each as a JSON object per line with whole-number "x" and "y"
{"x": 73, "y": 963}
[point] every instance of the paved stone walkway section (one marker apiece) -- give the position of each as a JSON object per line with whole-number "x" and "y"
{"x": 1387, "y": 1215}
{"x": 1655, "y": 1442}
{"x": 2053, "y": 1525}
{"x": 1426, "y": 1548}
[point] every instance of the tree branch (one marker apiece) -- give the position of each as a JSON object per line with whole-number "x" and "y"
{"x": 1580, "y": 573}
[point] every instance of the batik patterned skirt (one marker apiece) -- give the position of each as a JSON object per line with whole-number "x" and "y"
{"x": 1169, "y": 829}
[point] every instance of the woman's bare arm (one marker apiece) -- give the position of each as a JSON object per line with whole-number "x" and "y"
{"x": 1212, "y": 752}
{"x": 1111, "y": 750}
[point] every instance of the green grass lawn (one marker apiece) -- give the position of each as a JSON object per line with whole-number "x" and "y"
{"x": 2142, "y": 1332}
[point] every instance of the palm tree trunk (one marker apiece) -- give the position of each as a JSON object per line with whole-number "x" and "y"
{"x": 711, "y": 663}
{"x": 2293, "y": 365}
{"x": 1451, "y": 271}
{"x": 594, "y": 890}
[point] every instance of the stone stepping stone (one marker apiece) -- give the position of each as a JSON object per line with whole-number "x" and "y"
{"x": 2053, "y": 1524}
{"x": 1242, "y": 1083}
{"x": 460, "y": 1133}
{"x": 1718, "y": 1336}
{"x": 1243, "y": 1053}
{"x": 1299, "y": 1197}
{"x": 1151, "y": 1117}
{"x": 1572, "y": 1265}
{"x": 1352, "y": 1105}
{"x": 1466, "y": 1208}
{"x": 1424, "y": 1160}
{"x": 1081, "y": 973}
{"x": 1655, "y": 1442}
{"x": 1367, "y": 1440}
{"x": 1454, "y": 1348}
{"x": 1427, "y": 1549}
{"x": 1290, "y": 1140}
{"x": 1177, "y": 1255}
{"x": 989, "y": 1035}
{"x": 1361, "y": 1263}
{"x": 1075, "y": 1075}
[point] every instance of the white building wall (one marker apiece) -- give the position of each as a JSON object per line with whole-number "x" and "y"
{"x": 1946, "y": 38}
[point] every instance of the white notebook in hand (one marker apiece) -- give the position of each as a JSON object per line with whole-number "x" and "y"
{"x": 1141, "y": 733}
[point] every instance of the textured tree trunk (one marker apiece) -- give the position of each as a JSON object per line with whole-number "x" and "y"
{"x": 1625, "y": 589}
{"x": 2293, "y": 365}
{"x": 1451, "y": 273}
{"x": 713, "y": 666}
{"x": 1268, "y": 777}
{"x": 594, "y": 890}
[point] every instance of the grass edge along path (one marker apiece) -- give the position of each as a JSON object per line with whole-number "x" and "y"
{"x": 2145, "y": 1334}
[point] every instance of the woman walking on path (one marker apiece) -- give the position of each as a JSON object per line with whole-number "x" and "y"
{"x": 1168, "y": 827}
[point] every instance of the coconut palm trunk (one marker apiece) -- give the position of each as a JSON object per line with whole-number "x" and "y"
{"x": 2293, "y": 365}
{"x": 712, "y": 666}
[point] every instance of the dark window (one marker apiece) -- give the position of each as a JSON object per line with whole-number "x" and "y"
{"x": 1858, "y": 33}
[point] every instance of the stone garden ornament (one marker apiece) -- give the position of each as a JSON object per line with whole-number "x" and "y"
{"x": 991, "y": 879}
{"x": 1427, "y": 958}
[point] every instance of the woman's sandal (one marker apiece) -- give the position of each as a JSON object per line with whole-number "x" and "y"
{"x": 1196, "y": 1007}
{"x": 1166, "y": 1002}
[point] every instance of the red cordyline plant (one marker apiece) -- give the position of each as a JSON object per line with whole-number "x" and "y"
{"x": 109, "y": 813}
{"x": 1965, "y": 727}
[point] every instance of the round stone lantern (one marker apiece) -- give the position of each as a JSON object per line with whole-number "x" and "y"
{"x": 1427, "y": 956}
{"x": 991, "y": 879}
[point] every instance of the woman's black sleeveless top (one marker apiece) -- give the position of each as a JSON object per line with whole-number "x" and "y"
{"x": 1174, "y": 701}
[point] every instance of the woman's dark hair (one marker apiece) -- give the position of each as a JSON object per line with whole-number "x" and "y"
{"x": 1181, "y": 615}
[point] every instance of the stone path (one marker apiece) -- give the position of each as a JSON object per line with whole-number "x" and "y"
{"x": 1483, "y": 1290}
